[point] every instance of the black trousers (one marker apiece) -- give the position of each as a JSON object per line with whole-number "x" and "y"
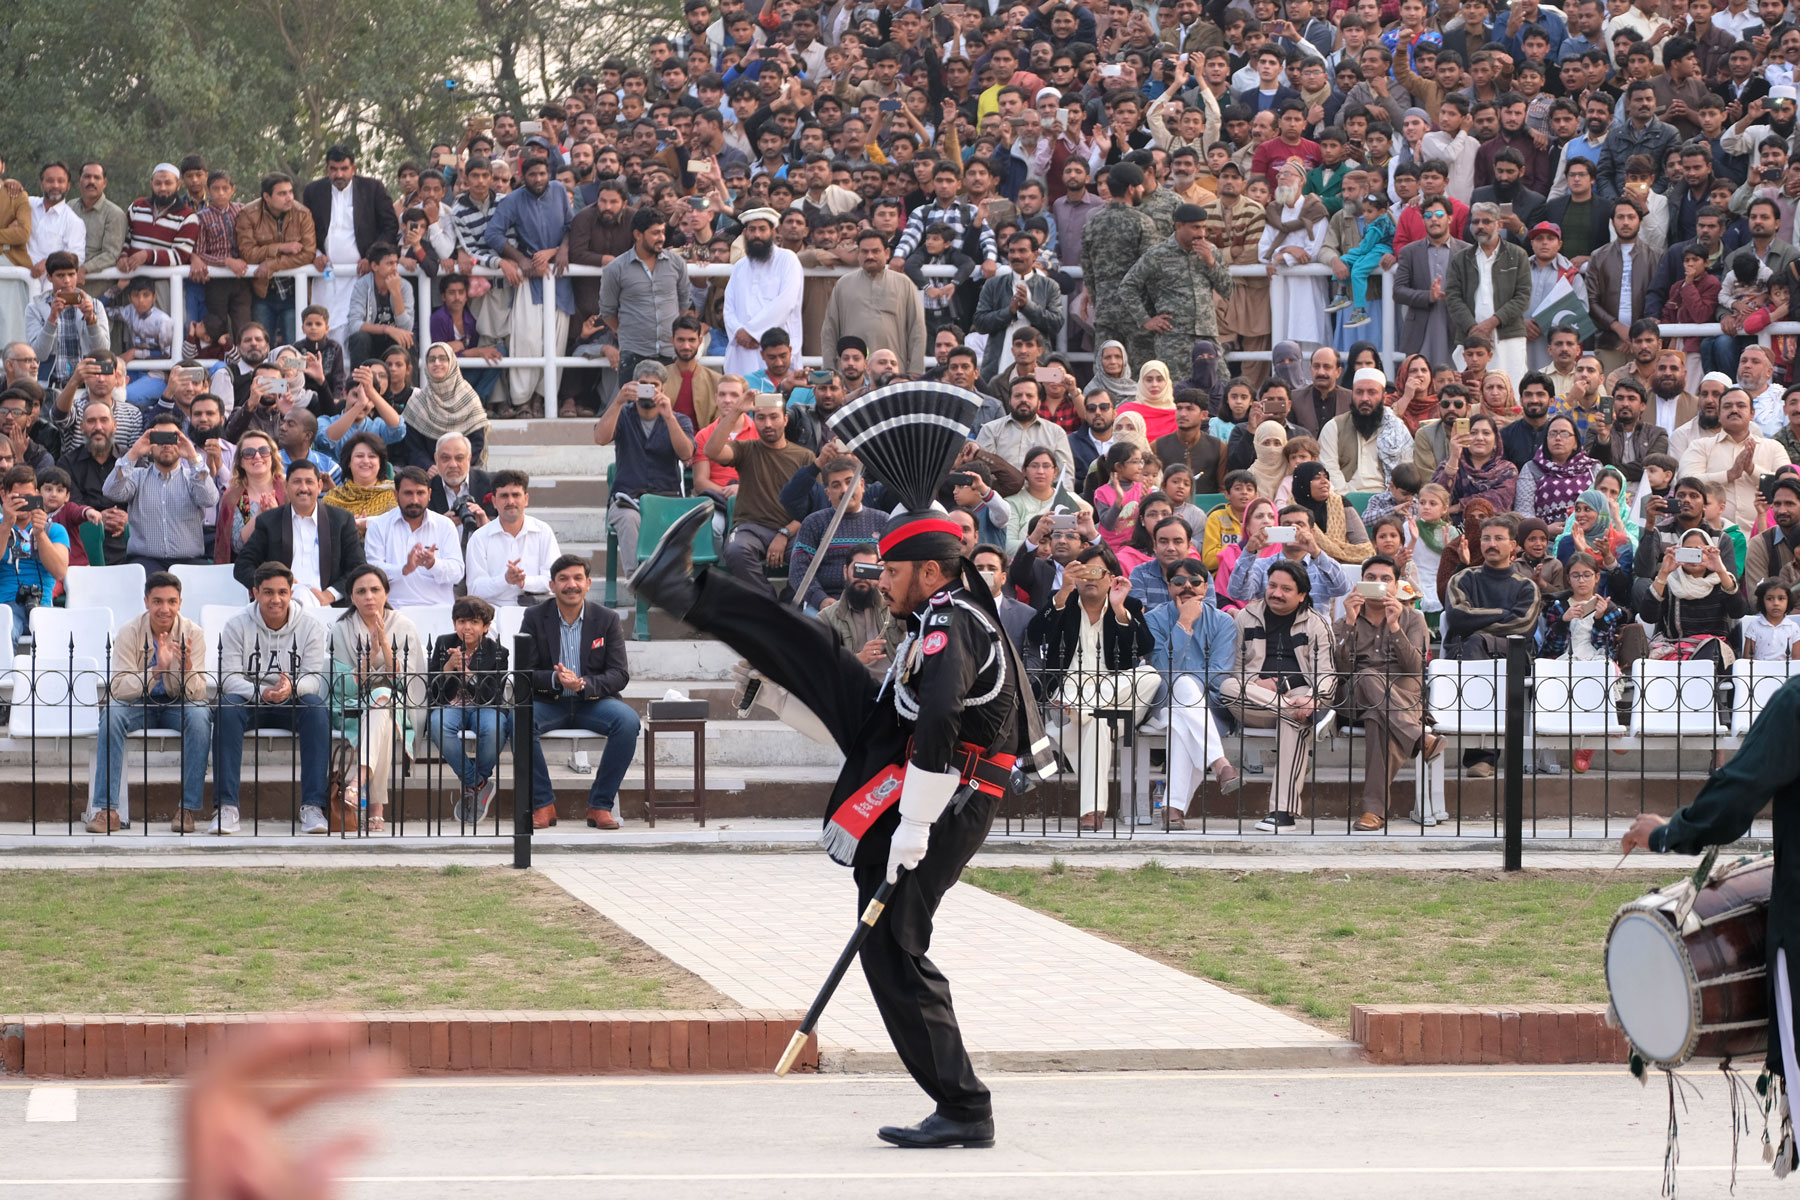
{"x": 912, "y": 995}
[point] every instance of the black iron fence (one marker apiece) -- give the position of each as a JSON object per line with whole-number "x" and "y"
{"x": 369, "y": 744}
{"x": 1508, "y": 748}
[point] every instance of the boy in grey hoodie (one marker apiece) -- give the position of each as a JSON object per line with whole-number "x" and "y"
{"x": 275, "y": 668}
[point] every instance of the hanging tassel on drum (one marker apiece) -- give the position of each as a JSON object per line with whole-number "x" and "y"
{"x": 1672, "y": 1149}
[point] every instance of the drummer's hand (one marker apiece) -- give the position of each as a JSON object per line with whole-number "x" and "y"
{"x": 1638, "y": 836}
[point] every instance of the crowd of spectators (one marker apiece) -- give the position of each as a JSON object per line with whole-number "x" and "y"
{"x": 1044, "y": 205}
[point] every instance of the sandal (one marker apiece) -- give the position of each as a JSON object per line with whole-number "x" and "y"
{"x": 376, "y": 824}
{"x": 1091, "y": 822}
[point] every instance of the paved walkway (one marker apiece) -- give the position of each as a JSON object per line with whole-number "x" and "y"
{"x": 1031, "y": 992}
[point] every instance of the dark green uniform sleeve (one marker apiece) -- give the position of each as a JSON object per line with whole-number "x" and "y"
{"x": 1766, "y": 767}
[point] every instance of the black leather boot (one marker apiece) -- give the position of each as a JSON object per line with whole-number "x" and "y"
{"x": 665, "y": 577}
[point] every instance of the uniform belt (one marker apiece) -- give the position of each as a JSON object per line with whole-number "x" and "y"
{"x": 989, "y": 773}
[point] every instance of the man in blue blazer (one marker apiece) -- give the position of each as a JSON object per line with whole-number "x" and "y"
{"x": 578, "y": 672}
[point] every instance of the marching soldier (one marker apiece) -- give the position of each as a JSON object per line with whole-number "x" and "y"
{"x": 1170, "y": 290}
{"x": 929, "y": 751}
{"x": 1113, "y": 239}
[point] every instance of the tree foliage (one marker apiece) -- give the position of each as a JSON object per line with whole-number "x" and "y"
{"x": 261, "y": 85}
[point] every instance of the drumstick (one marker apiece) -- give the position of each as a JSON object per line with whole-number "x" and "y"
{"x": 1604, "y": 880}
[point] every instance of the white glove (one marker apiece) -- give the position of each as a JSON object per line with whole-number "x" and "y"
{"x": 907, "y": 847}
{"x": 923, "y": 797}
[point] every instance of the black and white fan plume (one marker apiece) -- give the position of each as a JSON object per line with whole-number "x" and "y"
{"x": 908, "y": 436}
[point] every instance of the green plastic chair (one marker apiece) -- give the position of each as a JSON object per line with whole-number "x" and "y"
{"x": 93, "y": 541}
{"x": 1207, "y": 501}
{"x": 1358, "y": 500}
{"x": 656, "y": 514}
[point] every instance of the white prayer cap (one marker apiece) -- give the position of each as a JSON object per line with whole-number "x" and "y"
{"x": 169, "y": 167}
{"x": 1783, "y": 91}
{"x": 1370, "y": 375}
{"x": 760, "y": 214}
{"x": 1719, "y": 377}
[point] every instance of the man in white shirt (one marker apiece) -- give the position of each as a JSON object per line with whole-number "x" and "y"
{"x": 1756, "y": 375}
{"x": 1736, "y": 456}
{"x": 55, "y": 225}
{"x": 420, "y": 550}
{"x": 509, "y": 558}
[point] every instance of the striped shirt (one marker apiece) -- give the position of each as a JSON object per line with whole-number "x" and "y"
{"x": 216, "y": 232}
{"x": 167, "y": 234}
{"x": 958, "y": 216}
{"x": 859, "y": 530}
{"x": 471, "y": 228}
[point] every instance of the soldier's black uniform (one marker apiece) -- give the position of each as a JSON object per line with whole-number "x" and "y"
{"x": 952, "y": 701}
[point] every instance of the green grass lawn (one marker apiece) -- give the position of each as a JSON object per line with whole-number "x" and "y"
{"x": 1315, "y": 943}
{"x": 216, "y": 940}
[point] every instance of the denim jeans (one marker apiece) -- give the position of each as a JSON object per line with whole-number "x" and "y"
{"x": 1720, "y": 353}
{"x": 492, "y": 729}
{"x": 611, "y": 718}
{"x": 305, "y": 715}
{"x": 275, "y": 315}
{"x": 128, "y": 716}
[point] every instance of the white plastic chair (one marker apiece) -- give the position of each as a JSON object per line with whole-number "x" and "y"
{"x": 1468, "y": 697}
{"x": 209, "y": 584}
{"x": 213, "y": 618}
{"x": 507, "y": 622}
{"x": 61, "y": 700}
{"x": 1573, "y": 698}
{"x": 433, "y": 621}
{"x": 1756, "y": 682}
{"x": 1677, "y": 698}
{"x": 119, "y": 588}
{"x": 90, "y": 629}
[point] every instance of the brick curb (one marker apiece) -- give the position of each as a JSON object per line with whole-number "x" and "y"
{"x": 139, "y": 1046}
{"x": 1446, "y": 1034}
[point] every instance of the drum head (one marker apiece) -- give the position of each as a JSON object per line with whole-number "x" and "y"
{"x": 1652, "y": 987}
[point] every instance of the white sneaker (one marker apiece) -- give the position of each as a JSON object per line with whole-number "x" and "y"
{"x": 225, "y": 820}
{"x": 312, "y": 820}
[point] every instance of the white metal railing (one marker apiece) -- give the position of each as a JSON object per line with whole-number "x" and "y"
{"x": 552, "y": 363}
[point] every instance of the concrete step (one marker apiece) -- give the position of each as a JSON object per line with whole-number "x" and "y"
{"x": 581, "y": 459}
{"x": 574, "y": 524}
{"x": 576, "y": 431}
{"x": 567, "y": 491}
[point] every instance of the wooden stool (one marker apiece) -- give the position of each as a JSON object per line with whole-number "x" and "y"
{"x": 695, "y": 726}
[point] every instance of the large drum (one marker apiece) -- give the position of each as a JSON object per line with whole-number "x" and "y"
{"x": 1687, "y": 970}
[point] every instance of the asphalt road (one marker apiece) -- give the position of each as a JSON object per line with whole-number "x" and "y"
{"x": 1523, "y": 1134}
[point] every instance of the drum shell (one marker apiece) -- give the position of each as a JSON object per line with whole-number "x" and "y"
{"x": 1728, "y": 965}
{"x": 1734, "y": 912}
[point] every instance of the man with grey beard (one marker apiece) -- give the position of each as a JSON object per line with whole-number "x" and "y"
{"x": 1296, "y": 302}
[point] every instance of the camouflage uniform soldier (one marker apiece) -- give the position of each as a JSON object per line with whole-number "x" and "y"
{"x": 1158, "y": 202}
{"x": 1113, "y": 239}
{"x": 1170, "y": 289}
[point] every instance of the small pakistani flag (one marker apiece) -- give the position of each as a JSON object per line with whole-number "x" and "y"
{"x": 1566, "y": 304}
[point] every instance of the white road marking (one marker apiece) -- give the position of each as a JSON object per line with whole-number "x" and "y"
{"x": 50, "y": 1104}
{"x": 881, "y": 1176}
